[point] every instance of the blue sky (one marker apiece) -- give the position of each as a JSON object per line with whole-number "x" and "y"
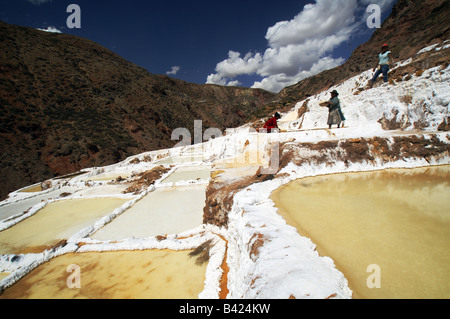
{"x": 251, "y": 43}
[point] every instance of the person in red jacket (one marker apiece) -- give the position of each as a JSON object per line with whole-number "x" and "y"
{"x": 272, "y": 123}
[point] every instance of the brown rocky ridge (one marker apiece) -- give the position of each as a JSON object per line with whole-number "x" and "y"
{"x": 67, "y": 103}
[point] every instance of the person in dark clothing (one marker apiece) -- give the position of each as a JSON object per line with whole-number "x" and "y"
{"x": 335, "y": 115}
{"x": 272, "y": 123}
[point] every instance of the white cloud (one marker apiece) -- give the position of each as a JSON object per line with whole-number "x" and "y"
{"x": 235, "y": 65}
{"x": 234, "y": 83}
{"x": 216, "y": 79}
{"x": 277, "y": 82}
{"x": 38, "y": 2}
{"x": 51, "y": 30}
{"x": 325, "y": 18}
{"x": 298, "y": 48}
{"x": 174, "y": 70}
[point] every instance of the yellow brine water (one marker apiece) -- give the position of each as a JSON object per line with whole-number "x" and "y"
{"x": 57, "y": 221}
{"x": 387, "y": 231}
{"x": 152, "y": 274}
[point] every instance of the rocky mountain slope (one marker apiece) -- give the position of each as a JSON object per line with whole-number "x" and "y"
{"x": 411, "y": 26}
{"x": 67, "y": 103}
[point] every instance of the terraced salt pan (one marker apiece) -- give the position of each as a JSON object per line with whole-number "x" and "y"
{"x": 163, "y": 211}
{"x": 3, "y": 275}
{"x": 57, "y": 221}
{"x": 398, "y": 220}
{"x": 102, "y": 190}
{"x": 190, "y": 173}
{"x": 21, "y": 206}
{"x": 181, "y": 159}
{"x": 37, "y": 188}
{"x": 32, "y": 189}
{"x": 151, "y": 274}
{"x": 108, "y": 176}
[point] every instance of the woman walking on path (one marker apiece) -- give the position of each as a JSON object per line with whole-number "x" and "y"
{"x": 383, "y": 65}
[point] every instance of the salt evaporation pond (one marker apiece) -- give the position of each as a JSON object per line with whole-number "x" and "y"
{"x": 57, "y": 221}
{"x": 38, "y": 187}
{"x": 398, "y": 220}
{"x": 32, "y": 189}
{"x": 21, "y": 206}
{"x": 164, "y": 211}
{"x": 152, "y": 274}
{"x": 192, "y": 173}
{"x": 181, "y": 159}
{"x": 104, "y": 177}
